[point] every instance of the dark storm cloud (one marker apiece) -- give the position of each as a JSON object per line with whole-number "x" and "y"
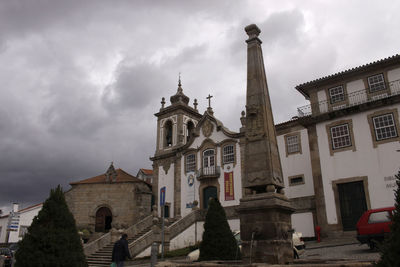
{"x": 81, "y": 80}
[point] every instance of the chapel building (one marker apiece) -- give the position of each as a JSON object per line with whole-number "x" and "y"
{"x": 115, "y": 199}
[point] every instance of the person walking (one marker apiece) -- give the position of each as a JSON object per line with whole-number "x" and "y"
{"x": 120, "y": 251}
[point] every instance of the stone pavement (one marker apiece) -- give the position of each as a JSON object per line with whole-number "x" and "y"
{"x": 331, "y": 242}
{"x": 311, "y": 246}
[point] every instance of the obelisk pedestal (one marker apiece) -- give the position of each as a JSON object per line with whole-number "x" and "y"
{"x": 264, "y": 211}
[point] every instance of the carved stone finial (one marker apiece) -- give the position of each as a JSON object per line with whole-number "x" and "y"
{"x": 180, "y": 90}
{"x": 111, "y": 174}
{"x": 243, "y": 118}
{"x": 252, "y": 31}
{"x": 162, "y": 102}
{"x": 179, "y": 97}
{"x": 195, "y": 104}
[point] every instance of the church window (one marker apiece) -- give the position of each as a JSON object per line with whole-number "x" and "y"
{"x": 376, "y": 83}
{"x": 190, "y": 163}
{"x": 228, "y": 154}
{"x": 189, "y": 130}
{"x": 168, "y": 133}
{"x": 208, "y": 162}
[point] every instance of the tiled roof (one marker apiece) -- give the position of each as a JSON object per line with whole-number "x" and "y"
{"x": 293, "y": 119}
{"x": 147, "y": 171}
{"x": 348, "y": 71}
{"x": 31, "y": 207}
{"x": 122, "y": 177}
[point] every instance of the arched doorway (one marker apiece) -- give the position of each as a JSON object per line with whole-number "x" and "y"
{"x": 208, "y": 192}
{"x": 103, "y": 219}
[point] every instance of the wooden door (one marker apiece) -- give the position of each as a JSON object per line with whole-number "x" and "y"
{"x": 352, "y": 203}
{"x": 209, "y": 192}
{"x": 103, "y": 220}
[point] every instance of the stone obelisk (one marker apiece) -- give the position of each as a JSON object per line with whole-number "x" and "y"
{"x": 264, "y": 210}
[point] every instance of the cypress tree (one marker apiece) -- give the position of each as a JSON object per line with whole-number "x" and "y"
{"x": 52, "y": 239}
{"x": 218, "y": 240}
{"x": 390, "y": 250}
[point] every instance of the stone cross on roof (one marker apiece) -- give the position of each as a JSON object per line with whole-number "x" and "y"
{"x": 209, "y": 100}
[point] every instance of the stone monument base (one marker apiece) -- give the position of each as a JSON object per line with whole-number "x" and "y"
{"x": 265, "y": 225}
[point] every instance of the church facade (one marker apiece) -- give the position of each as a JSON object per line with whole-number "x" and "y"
{"x": 196, "y": 158}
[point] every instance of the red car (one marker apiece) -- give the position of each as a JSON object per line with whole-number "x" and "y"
{"x": 374, "y": 225}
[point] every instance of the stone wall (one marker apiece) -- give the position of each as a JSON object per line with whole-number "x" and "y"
{"x": 128, "y": 203}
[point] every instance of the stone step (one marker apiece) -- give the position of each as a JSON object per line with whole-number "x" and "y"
{"x": 102, "y": 257}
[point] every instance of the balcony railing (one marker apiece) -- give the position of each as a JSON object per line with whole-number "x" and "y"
{"x": 352, "y": 99}
{"x": 209, "y": 172}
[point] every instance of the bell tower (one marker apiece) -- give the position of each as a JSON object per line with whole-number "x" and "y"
{"x": 175, "y": 125}
{"x": 175, "y": 122}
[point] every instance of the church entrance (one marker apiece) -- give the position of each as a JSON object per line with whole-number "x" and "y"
{"x": 103, "y": 220}
{"x": 208, "y": 192}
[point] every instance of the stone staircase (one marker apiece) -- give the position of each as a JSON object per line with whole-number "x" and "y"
{"x": 102, "y": 257}
{"x": 140, "y": 236}
{"x": 143, "y": 234}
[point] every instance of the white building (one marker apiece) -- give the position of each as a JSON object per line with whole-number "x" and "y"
{"x": 26, "y": 216}
{"x": 339, "y": 156}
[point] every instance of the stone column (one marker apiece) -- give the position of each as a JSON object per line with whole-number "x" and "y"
{"x": 264, "y": 211}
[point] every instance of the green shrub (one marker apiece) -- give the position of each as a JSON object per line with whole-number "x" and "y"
{"x": 390, "y": 249}
{"x": 52, "y": 239}
{"x": 218, "y": 240}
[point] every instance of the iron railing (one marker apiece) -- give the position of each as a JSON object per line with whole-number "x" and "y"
{"x": 352, "y": 99}
{"x": 209, "y": 172}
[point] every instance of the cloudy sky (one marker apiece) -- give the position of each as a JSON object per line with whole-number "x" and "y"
{"x": 81, "y": 80}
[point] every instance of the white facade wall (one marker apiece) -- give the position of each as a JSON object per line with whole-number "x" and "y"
{"x": 394, "y": 76}
{"x": 167, "y": 180}
{"x": 25, "y": 220}
{"x": 217, "y": 137}
{"x": 322, "y": 98}
{"x": 375, "y": 163}
{"x": 3, "y": 228}
{"x": 187, "y": 237}
{"x": 301, "y": 223}
{"x": 297, "y": 164}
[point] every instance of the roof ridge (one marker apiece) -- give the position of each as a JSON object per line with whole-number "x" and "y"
{"x": 348, "y": 70}
{"x": 30, "y": 207}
